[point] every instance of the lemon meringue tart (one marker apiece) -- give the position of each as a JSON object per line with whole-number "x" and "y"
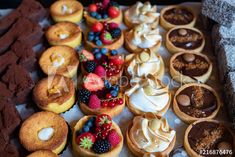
{"x": 61, "y": 60}
{"x": 44, "y": 130}
{"x": 141, "y": 13}
{"x": 43, "y": 153}
{"x": 183, "y": 38}
{"x": 64, "y": 33}
{"x": 196, "y": 101}
{"x": 66, "y": 10}
{"x": 142, "y": 37}
{"x": 55, "y": 94}
{"x": 177, "y": 15}
{"x": 190, "y": 67}
{"x": 148, "y": 94}
{"x": 149, "y": 135}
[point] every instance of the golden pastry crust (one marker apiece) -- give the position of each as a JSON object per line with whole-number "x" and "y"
{"x": 28, "y": 133}
{"x": 179, "y": 77}
{"x": 173, "y": 49}
{"x": 54, "y": 100}
{"x": 185, "y": 117}
{"x": 86, "y": 153}
{"x": 43, "y": 153}
{"x": 187, "y": 146}
{"x": 167, "y": 25}
{"x": 73, "y": 32}
{"x": 58, "y": 15}
{"x": 67, "y": 69}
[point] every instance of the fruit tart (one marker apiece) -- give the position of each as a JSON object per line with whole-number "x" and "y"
{"x": 103, "y": 11}
{"x": 98, "y": 96}
{"x": 104, "y": 35}
{"x": 207, "y": 138}
{"x": 149, "y": 135}
{"x": 66, "y": 10}
{"x": 64, "y": 33}
{"x": 141, "y": 13}
{"x": 106, "y": 64}
{"x": 148, "y": 94}
{"x": 190, "y": 67}
{"x": 183, "y": 38}
{"x": 196, "y": 101}
{"x": 142, "y": 37}
{"x": 177, "y": 15}
{"x": 97, "y": 136}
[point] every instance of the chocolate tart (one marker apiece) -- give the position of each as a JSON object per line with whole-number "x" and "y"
{"x": 196, "y": 101}
{"x": 55, "y": 94}
{"x": 183, "y": 38}
{"x": 44, "y": 130}
{"x": 177, "y": 15}
{"x": 66, "y": 10}
{"x": 209, "y": 138}
{"x": 88, "y": 153}
{"x": 190, "y": 67}
{"x": 64, "y": 33}
{"x": 43, "y": 153}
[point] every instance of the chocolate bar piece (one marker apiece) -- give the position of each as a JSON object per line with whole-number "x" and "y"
{"x": 9, "y": 151}
{"x": 7, "y": 59}
{"x": 5, "y": 94}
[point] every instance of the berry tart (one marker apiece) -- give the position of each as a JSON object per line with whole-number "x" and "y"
{"x": 104, "y": 35}
{"x": 196, "y": 101}
{"x": 142, "y": 37}
{"x": 181, "y": 39}
{"x": 99, "y": 96}
{"x": 43, "y": 153}
{"x": 209, "y": 138}
{"x": 64, "y": 33}
{"x": 149, "y": 135}
{"x": 141, "y": 13}
{"x": 190, "y": 67}
{"x": 106, "y": 64}
{"x": 66, "y": 10}
{"x": 103, "y": 11}
{"x": 177, "y": 15}
{"x": 97, "y": 136}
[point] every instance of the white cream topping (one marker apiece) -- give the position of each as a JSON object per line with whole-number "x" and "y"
{"x": 45, "y": 134}
{"x": 65, "y": 9}
{"x": 57, "y": 60}
{"x": 63, "y": 36}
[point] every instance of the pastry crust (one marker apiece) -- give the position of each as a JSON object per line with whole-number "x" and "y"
{"x": 43, "y": 153}
{"x": 185, "y": 117}
{"x": 28, "y": 133}
{"x": 179, "y": 77}
{"x": 72, "y": 30}
{"x": 59, "y": 16}
{"x": 167, "y": 25}
{"x": 173, "y": 49}
{"x": 189, "y": 150}
{"x": 86, "y": 153}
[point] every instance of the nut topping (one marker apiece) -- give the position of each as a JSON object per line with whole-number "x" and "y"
{"x": 183, "y": 32}
{"x": 188, "y": 57}
{"x": 183, "y": 100}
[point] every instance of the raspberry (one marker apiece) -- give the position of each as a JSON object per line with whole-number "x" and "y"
{"x": 113, "y": 138}
{"x": 100, "y": 71}
{"x": 94, "y": 102}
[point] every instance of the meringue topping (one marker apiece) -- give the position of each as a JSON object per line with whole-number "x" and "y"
{"x": 57, "y": 60}
{"x": 45, "y": 134}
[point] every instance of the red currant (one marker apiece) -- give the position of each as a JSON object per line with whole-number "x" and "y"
{"x": 117, "y": 71}
{"x": 111, "y": 103}
{"x": 108, "y": 96}
{"x": 120, "y": 101}
{"x": 109, "y": 73}
{"x": 104, "y": 104}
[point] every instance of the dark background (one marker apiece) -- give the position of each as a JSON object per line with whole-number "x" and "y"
{"x": 46, "y": 3}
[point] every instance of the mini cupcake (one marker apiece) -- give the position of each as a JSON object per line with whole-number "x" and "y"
{"x": 142, "y": 37}
{"x": 104, "y": 35}
{"x": 97, "y": 136}
{"x": 103, "y": 11}
{"x": 141, "y": 13}
{"x": 64, "y": 33}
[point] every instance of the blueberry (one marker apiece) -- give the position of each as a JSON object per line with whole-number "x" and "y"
{"x": 95, "y": 50}
{"x": 114, "y": 52}
{"x": 116, "y": 88}
{"x": 92, "y": 119}
{"x": 105, "y": 16}
{"x": 93, "y": 14}
{"x": 97, "y": 34}
{"x": 86, "y": 128}
{"x": 99, "y": 43}
{"x": 98, "y": 55}
{"x": 79, "y": 132}
{"x": 97, "y": 38}
{"x": 89, "y": 123}
{"x": 107, "y": 84}
{"x": 104, "y": 51}
{"x": 114, "y": 93}
{"x": 98, "y": 16}
{"x": 90, "y": 38}
{"x": 91, "y": 33}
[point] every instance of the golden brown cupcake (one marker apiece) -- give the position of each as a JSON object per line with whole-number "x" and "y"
{"x": 196, "y": 101}
{"x": 141, "y": 13}
{"x": 44, "y": 130}
{"x": 209, "y": 138}
{"x": 190, "y": 67}
{"x": 177, "y": 15}
{"x": 43, "y": 153}
{"x": 149, "y": 135}
{"x": 66, "y": 10}
{"x": 61, "y": 60}
{"x": 55, "y": 94}
{"x": 64, "y": 33}
{"x": 183, "y": 38}
{"x": 142, "y": 37}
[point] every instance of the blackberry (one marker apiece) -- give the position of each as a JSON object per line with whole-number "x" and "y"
{"x": 116, "y": 33}
{"x": 84, "y": 95}
{"x": 90, "y": 66}
{"x": 101, "y": 146}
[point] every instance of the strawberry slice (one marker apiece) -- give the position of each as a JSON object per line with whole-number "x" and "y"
{"x": 93, "y": 82}
{"x": 86, "y": 56}
{"x": 102, "y": 120}
{"x": 85, "y": 140}
{"x": 117, "y": 60}
{"x": 106, "y": 38}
